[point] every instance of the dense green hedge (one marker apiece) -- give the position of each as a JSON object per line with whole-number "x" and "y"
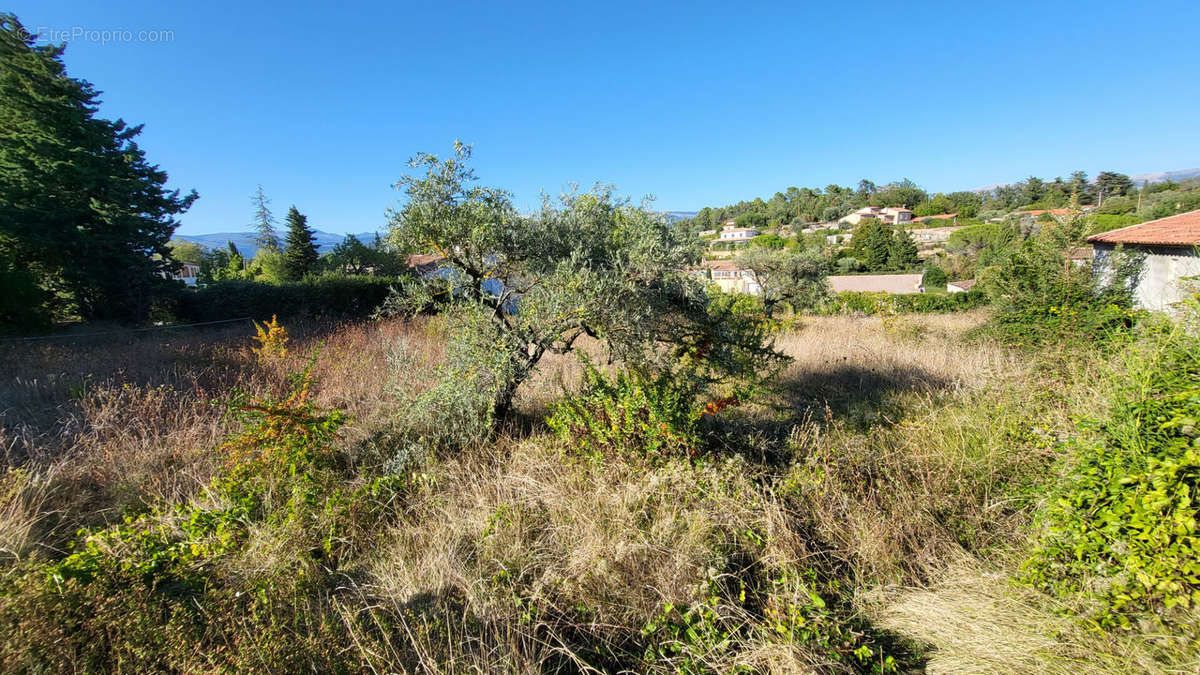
{"x": 332, "y": 296}
{"x": 868, "y": 302}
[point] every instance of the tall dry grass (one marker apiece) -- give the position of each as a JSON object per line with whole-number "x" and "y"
{"x": 891, "y": 453}
{"x": 99, "y": 426}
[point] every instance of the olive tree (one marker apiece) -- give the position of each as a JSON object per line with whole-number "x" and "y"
{"x": 518, "y": 286}
{"x": 797, "y": 278}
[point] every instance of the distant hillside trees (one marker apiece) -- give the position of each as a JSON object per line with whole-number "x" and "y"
{"x": 222, "y": 265}
{"x": 876, "y": 247}
{"x": 933, "y": 279}
{"x": 186, "y": 251}
{"x": 1110, "y": 184}
{"x": 84, "y": 217}
{"x": 800, "y": 206}
{"x": 871, "y": 245}
{"x": 353, "y": 256}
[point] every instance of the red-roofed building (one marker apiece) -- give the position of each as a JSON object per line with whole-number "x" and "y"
{"x": 890, "y": 215}
{"x": 424, "y": 263}
{"x": 1171, "y": 261}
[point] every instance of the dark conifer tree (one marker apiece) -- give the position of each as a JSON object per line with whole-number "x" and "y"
{"x": 300, "y": 252}
{"x": 83, "y": 214}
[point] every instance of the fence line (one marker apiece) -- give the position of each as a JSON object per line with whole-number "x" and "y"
{"x": 122, "y": 332}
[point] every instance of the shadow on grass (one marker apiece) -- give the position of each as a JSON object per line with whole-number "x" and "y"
{"x": 857, "y": 397}
{"x": 850, "y": 390}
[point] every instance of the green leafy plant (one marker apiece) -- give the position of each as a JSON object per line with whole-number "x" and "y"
{"x": 631, "y": 412}
{"x": 1042, "y": 297}
{"x": 1124, "y": 528}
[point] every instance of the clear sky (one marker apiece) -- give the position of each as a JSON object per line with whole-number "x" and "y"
{"x": 698, "y": 103}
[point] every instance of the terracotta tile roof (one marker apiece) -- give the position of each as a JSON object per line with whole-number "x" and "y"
{"x": 1079, "y": 253}
{"x": 422, "y": 263}
{"x": 940, "y": 216}
{"x": 726, "y": 265}
{"x": 1178, "y": 230}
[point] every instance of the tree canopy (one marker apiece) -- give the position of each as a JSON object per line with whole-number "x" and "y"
{"x": 586, "y": 264}
{"x": 84, "y": 215}
{"x": 799, "y": 279}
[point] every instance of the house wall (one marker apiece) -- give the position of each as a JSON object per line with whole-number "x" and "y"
{"x": 737, "y": 235}
{"x": 736, "y": 282}
{"x": 1163, "y": 282}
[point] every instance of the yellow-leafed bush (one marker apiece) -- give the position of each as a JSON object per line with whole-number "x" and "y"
{"x": 272, "y": 340}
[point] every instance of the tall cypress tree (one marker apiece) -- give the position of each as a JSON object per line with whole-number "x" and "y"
{"x": 82, "y": 211}
{"x": 300, "y": 255}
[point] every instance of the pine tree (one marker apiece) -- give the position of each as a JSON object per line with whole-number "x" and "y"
{"x": 300, "y": 255}
{"x": 902, "y": 254}
{"x": 264, "y": 221}
{"x": 872, "y": 242}
{"x": 82, "y": 211}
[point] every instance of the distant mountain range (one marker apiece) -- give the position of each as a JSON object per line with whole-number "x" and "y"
{"x": 245, "y": 240}
{"x": 325, "y": 240}
{"x": 1165, "y": 176}
{"x": 676, "y": 216}
{"x": 1148, "y": 178}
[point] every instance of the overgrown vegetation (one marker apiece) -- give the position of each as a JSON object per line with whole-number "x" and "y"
{"x": 654, "y": 525}
{"x": 1122, "y": 527}
{"x": 589, "y": 264}
{"x": 1042, "y": 297}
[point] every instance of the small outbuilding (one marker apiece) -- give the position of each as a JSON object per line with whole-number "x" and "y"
{"x": 1171, "y": 262}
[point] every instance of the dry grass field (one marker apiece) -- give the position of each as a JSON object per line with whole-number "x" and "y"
{"x": 859, "y": 517}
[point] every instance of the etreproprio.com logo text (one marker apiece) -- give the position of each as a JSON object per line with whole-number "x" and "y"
{"x": 99, "y": 35}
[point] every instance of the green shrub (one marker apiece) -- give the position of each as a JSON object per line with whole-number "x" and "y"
{"x": 631, "y": 413}
{"x": 331, "y": 296}
{"x": 934, "y": 278}
{"x": 1042, "y": 297}
{"x": 1103, "y": 222}
{"x": 1123, "y": 527}
{"x": 880, "y": 302}
{"x": 769, "y": 606}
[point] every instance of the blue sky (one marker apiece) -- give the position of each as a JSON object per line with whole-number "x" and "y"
{"x": 696, "y": 103}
